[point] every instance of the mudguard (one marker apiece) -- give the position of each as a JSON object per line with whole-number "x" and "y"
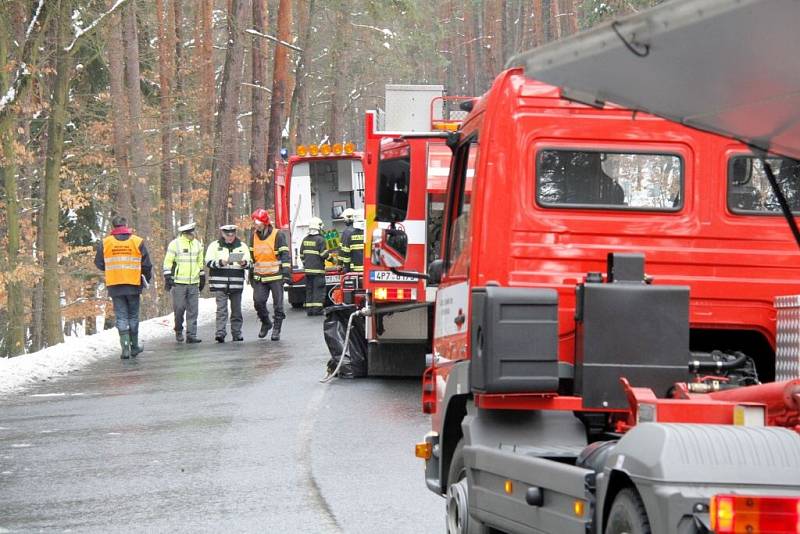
{"x": 676, "y": 467}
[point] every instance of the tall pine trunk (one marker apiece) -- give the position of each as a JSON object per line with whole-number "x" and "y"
{"x": 166, "y": 45}
{"x": 52, "y": 332}
{"x": 299, "y": 108}
{"x": 185, "y": 178}
{"x": 258, "y": 146}
{"x": 15, "y": 310}
{"x": 119, "y": 106}
{"x": 280, "y": 73}
{"x": 226, "y": 131}
{"x": 207, "y": 80}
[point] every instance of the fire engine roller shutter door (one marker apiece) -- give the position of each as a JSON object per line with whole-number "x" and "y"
{"x": 634, "y": 330}
{"x": 514, "y": 340}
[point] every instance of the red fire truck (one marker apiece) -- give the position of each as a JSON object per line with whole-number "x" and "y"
{"x": 605, "y": 322}
{"x": 318, "y": 181}
{"x": 411, "y": 155}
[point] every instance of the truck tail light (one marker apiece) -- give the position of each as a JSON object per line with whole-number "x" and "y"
{"x": 394, "y": 294}
{"x": 428, "y": 391}
{"x": 423, "y": 450}
{"x": 732, "y": 514}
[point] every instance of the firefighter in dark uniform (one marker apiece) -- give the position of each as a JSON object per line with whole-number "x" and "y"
{"x": 271, "y": 268}
{"x": 313, "y": 252}
{"x": 351, "y": 256}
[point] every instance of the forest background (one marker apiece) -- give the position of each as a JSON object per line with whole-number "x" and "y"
{"x": 167, "y": 111}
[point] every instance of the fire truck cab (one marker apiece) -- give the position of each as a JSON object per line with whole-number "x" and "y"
{"x": 319, "y": 181}
{"x": 605, "y": 333}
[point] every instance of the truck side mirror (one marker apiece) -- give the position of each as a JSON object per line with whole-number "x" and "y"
{"x": 435, "y": 272}
{"x": 390, "y": 249}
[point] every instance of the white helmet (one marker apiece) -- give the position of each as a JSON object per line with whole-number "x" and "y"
{"x": 315, "y": 224}
{"x": 349, "y": 214}
{"x": 358, "y": 220}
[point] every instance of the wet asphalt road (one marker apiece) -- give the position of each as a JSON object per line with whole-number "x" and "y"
{"x": 216, "y": 438}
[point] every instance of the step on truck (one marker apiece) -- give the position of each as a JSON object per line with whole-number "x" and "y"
{"x": 607, "y": 354}
{"x": 319, "y": 180}
{"x": 405, "y": 154}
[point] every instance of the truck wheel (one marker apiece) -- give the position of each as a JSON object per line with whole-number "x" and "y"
{"x": 628, "y": 514}
{"x": 458, "y": 519}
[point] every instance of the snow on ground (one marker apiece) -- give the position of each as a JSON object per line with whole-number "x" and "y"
{"x": 21, "y": 371}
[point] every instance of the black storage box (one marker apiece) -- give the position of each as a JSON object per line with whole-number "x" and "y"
{"x": 514, "y": 340}
{"x": 634, "y": 330}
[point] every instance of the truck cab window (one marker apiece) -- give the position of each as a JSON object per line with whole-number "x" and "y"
{"x": 459, "y": 239}
{"x": 749, "y": 190}
{"x": 393, "y": 181}
{"x": 614, "y": 180}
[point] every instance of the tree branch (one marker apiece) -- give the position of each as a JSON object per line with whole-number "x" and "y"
{"x": 83, "y": 31}
{"x": 273, "y": 39}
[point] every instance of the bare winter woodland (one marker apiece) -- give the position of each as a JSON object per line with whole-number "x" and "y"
{"x": 171, "y": 110}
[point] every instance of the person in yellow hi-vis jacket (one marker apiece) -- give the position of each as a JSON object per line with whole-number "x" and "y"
{"x": 185, "y": 277}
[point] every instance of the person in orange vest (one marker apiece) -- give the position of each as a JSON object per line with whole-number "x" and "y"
{"x": 271, "y": 269}
{"x": 124, "y": 258}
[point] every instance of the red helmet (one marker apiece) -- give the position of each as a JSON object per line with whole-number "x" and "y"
{"x": 261, "y": 215}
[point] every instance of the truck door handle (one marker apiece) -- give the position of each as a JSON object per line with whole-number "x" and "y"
{"x": 460, "y": 319}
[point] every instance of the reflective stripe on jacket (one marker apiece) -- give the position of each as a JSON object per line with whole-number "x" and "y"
{"x": 352, "y": 256}
{"x": 228, "y": 277}
{"x": 123, "y": 261}
{"x": 313, "y": 254}
{"x": 184, "y": 260}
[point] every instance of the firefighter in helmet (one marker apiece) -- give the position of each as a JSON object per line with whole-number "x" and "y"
{"x": 227, "y": 258}
{"x": 185, "y": 278}
{"x": 124, "y": 258}
{"x": 313, "y": 252}
{"x": 271, "y": 268}
{"x": 351, "y": 256}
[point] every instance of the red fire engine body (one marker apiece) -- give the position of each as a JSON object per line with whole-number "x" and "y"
{"x": 399, "y": 329}
{"x": 320, "y": 181}
{"x": 576, "y": 388}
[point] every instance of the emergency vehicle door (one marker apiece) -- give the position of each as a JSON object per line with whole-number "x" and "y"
{"x": 451, "y": 324}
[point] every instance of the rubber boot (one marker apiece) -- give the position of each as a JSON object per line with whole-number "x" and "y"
{"x": 125, "y": 343}
{"x": 179, "y": 336}
{"x": 136, "y": 349}
{"x": 265, "y": 326}
{"x": 276, "y": 331}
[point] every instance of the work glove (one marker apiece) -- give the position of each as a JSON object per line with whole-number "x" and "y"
{"x": 169, "y": 282}
{"x": 287, "y": 277}
{"x": 202, "y": 281}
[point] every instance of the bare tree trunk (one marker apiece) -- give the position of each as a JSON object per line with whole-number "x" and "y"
{"x": 571, "y": 7}
{"x": 226, "y": 134}
{"x": 278, "y": 101}
{"x": 166, "y": 45}
{"x": 470, "y": 38}
{"x": 207, "y": 79}
{"x": 55, "y": 148}
{"x": 14, "y": 342}
{"x": 119, "y": 106}
{"x": 258, "y": 147}
{"x": 299, "y": 126}
{"x": 337, "y": 63}
{"x": 180, "y": 106}
{"x": 538, "y": 23}
{"x": 137, "y": 149}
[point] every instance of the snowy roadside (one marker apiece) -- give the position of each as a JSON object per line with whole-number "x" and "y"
{"x": 75, "y": 352}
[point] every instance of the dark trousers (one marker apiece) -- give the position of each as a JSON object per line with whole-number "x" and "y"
{"x": 261, "y": 292}
{"x": 222, "y": 312}
{"x": 315, "y": 293}
{"x": 126, "y": 312}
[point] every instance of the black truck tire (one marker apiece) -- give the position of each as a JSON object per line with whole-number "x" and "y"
{"x": 458, "y": 519}
{"x": 627, "y": 514}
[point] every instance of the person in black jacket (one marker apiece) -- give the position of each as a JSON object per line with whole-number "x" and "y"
{"x": 227, "y": 258}
{"x": 351, "y": 256}
{"x": 313, "y": 252}
{"x": 124, "y": 258}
